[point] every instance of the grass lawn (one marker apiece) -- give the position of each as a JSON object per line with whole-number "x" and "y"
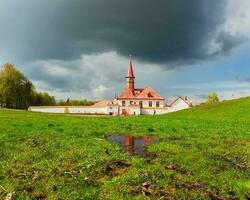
{"x": 202, "y": 153}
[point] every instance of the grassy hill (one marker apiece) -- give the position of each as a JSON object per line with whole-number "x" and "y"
{"x": 202, "y": 153}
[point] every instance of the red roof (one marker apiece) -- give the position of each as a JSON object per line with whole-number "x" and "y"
{"x": 146, "y": 93}
{"x": 102, "y": 103}
{"x": 139, "y": 90}
{"x": 149, "y": 93}
{"x": 127, "y": 93}
{"x": 130, "y": 70}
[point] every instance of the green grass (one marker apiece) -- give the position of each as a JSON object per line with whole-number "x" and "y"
{"x": 45, "y": 156}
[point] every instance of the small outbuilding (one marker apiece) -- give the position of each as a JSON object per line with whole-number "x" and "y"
{"x": 179, "y": 103}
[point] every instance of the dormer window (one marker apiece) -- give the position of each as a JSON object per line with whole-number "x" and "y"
{"x": 150, "y": 95}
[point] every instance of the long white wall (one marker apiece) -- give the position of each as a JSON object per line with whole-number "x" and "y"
{"x": 87, "y": 110}
{"x": 73, "y": 110}
{"x": 47, "y": 109}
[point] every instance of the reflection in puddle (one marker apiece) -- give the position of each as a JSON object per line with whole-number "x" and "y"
{"x": 133, "y": 145}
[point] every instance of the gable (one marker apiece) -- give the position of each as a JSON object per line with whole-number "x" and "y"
{"x": 179, "y": 101}
{"x": 149, "y": 93}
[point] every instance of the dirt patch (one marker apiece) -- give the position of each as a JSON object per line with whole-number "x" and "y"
{"x": 227, "y": 162}
{"x": 216, "y": 196}
{"x": 178, "y": 169}
{"x": 172, "y": 139}
{"x": 116, "y": 167}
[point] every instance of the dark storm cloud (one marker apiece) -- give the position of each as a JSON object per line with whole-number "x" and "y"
{"x": 177, "y": 31}
{"x": 228, "y": 41}
{"x": 62, "y": 75}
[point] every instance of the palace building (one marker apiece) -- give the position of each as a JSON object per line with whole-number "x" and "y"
{"x": 136, "y": 101}
{"x": 132, "y": 101}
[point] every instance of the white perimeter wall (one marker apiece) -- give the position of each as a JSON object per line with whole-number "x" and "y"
{"x": 87, "y": 110}
{"x": 74, "y": 110}
{"x": 47, "y": 109}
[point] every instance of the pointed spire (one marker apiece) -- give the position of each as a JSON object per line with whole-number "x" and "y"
{"x": 116, "y": 95}
{"x": 130, "y": 68}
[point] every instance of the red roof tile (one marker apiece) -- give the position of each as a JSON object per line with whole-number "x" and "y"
{"x": 102, "y": 104}
{"x": 127, "y": 93}
{"x": 146, "y": 93}
{"x": 149, "y": 93}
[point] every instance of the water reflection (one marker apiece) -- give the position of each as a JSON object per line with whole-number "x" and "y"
{"x": 133, "y": 145}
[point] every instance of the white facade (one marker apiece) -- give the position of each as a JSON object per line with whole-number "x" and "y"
{"x": 141, "y": 107}
{"x": 154, "y": 111}
{"x": 113, "y": 110}
{"x": 129, "y": 110}
{"x": 145, "y": 103}
{"x": 179, "y": 104}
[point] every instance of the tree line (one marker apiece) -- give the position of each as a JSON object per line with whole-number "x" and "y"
{"x": 69, "y": 102}
{"x": 17, "y": 92}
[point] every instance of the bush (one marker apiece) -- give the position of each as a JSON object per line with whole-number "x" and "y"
{"x": 212, "y": 98}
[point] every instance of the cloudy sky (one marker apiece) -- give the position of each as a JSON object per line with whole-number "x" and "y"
{"x": 79, "y": 49}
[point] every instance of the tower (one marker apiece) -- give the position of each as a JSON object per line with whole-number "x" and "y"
{"x": 130, "y": 84}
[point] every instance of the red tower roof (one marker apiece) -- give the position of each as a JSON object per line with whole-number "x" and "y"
{"x": 130, "y": 69}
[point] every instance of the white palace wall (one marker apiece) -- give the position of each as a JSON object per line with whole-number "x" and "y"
{"x": 98, "y": 111}
{"x": 70, "y": 109}
{"x": 47, "y": 109}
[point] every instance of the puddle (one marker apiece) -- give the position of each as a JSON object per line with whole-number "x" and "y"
{"x": 134, "y": 145}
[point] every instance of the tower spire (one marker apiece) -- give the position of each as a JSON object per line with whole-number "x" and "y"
{"x": 130, "y": 76}
{"x": 130, "y": 68}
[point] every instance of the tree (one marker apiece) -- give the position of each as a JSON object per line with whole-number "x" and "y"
{"x": 16, "y": 91}
{"x": 212, "y": 98}
{"x": 69, "y": 102}
{"x": 43, "y": 99}
{"x": 15, "y": 88}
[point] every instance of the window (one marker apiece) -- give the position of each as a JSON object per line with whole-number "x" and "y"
{"x": 123, "y": 103}
{"x": 150, "y": 95}
{"x": 140, "y": 104}
{"x": 157, "y": 104}
{"x": 131, "y": 102}
{"x": 150, "y": 103}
